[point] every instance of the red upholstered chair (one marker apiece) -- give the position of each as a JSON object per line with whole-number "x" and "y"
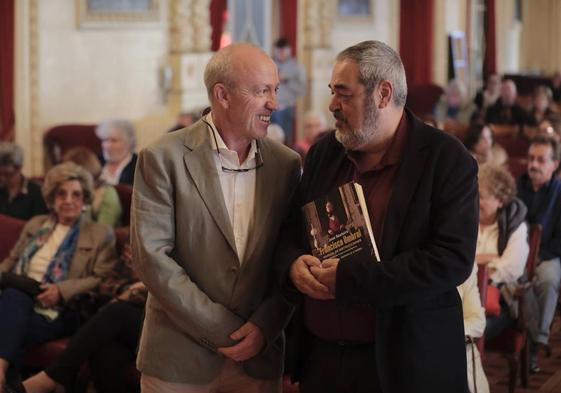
{"x": 10, "y": 228}
{"x": 512, "y": 342}
{"x": 125, "y": 196}
{"x": 421, "y": 99}
{"x": 59, "y": 139}
{"x": 517, "y": 166}
{"x": 515, "y": 146}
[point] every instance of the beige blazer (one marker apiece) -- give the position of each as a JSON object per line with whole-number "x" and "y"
{"x": 94, "y": 257}
{"x": 184, "y": 251}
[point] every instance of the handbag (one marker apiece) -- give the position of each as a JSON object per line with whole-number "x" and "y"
{"x": 493, "y": 303}
{"x": 23, "y": 283}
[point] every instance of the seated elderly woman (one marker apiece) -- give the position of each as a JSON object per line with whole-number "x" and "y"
{"x": 106, "y": 206}
{"x": 19, "y": 197}
{"x": 118, "y": 141}
{"x": 65, "y": 255}
{"x": 108, "y": 340}
{"x": 480, "y": 143}
{"x": 502, "y": 241}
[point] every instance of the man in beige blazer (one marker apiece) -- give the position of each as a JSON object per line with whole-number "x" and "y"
{"x": 207, "y": 205}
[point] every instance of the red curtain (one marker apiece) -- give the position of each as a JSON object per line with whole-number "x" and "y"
{"x": 416, "y": 40}
{"x": 7, "y": 116}
{"x": 218, "y": 12}
{"x": 289, "y": 22}
{"x": 490, "y": 57}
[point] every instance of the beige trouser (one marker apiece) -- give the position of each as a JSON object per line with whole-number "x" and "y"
{"x": 231, "y": 379}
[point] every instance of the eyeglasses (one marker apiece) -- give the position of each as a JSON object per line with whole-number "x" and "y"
{"x": 258, "y": 158}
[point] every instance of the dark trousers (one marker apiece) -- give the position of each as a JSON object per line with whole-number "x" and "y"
{"x": 108, "y": 340}
{"x": 496, "y": 324}
{"x": 21, "y": 327}
{"x": 340, "y": 368}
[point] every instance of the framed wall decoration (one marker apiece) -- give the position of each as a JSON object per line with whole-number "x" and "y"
{"x": 92, "y": 14}
{"x": 355, "y": 9}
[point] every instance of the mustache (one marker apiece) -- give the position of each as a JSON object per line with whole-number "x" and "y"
{"x": 337, "y": 114}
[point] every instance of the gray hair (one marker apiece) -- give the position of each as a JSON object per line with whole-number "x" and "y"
{"x": 11, "y": 154}
{"x": 459, "y": 86}
{"x": 64, "y": 172}
{"x": 123, "y": 127}
{"x": 219, "y": 69}
{"x": 378, "y": 62}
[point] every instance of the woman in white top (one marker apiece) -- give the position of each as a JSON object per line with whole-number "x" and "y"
{"x": 65, "y": 255}
{"x": 474, "y": 326}
{"x": 502, "y": 241}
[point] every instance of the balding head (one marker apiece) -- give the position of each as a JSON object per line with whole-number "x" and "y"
{"x": 230, "y": 63}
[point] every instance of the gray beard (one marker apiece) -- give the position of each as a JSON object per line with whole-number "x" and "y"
{"x": 358, "y": 138}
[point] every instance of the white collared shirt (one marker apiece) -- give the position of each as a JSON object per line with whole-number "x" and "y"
{"x": 238, "y": 188}
{"x": 113, "y": 178}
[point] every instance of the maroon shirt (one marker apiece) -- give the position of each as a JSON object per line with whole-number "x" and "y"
{"x": 330, "y": 320}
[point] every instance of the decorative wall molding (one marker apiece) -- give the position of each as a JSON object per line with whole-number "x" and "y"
{"x": 27, "y": 130}
{"x": 319, "y": 17}
{"x": 111, "y": 14}
{"x": 190, "y": 30}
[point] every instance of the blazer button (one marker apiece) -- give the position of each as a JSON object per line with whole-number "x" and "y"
{"x": 234, "y": 269}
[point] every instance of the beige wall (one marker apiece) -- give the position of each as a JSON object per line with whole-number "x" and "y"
{"x": 383, "y": 26}
{"x": 84, "y": 75}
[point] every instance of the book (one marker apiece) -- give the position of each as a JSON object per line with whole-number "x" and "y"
{"x": 338, "y": 224}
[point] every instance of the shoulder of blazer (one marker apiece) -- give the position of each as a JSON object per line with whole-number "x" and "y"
{"x": 93, "y": 233}
{"x": 271, "y": 149}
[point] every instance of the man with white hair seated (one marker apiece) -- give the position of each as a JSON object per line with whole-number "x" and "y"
{"x": 118, "y": 141}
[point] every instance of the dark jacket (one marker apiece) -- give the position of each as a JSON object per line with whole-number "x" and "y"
{"x": 509, "y": 219}
{"x": 544, "y": 207}
{"x": 127, "y": 176}
{"x": 427, "y": 249}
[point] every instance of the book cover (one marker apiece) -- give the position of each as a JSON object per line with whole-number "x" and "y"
{"x": 338, "y": 224}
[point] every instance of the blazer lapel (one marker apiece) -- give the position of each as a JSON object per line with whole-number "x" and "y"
{"x": 408, "y": 176}
{"x": 200, "y": 164}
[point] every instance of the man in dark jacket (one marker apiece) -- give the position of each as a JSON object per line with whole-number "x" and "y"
{"x": 394, "y": 325}
{"x": 540, "y": 190}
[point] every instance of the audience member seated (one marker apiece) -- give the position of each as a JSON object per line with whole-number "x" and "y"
{"x": 105, "y": 207}
{"x": 490, "y": 94}
{"x": 474, "y": 326}
{"x": 315, "y": 125}
{"x": 108, "y": 340}
{"x": 118, "y": 141}
{"x": 57, "y": 257}
{"x": 454, "y": 105}
{"x": 19, "y": 197}
{"x": 185, "y": 119}
{"x": 506, "y": 110}
{"x": 556, "y": 86}
{"x": 502, "y": 241}
{"x": 541, "y": 192}
{"x": 276, "y": 133}
{"x": 541, "y": 110}
{"x": 480, "y": 142}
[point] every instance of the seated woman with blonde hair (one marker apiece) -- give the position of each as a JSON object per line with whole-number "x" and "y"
{"x": 59, "y": 256}
{"x": 502, "y": 241}
{"x": 106, "y": 207}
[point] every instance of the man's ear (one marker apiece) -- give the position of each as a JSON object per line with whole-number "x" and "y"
{"x": 221, "y": 96}
{"x": 384, "y": 91}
